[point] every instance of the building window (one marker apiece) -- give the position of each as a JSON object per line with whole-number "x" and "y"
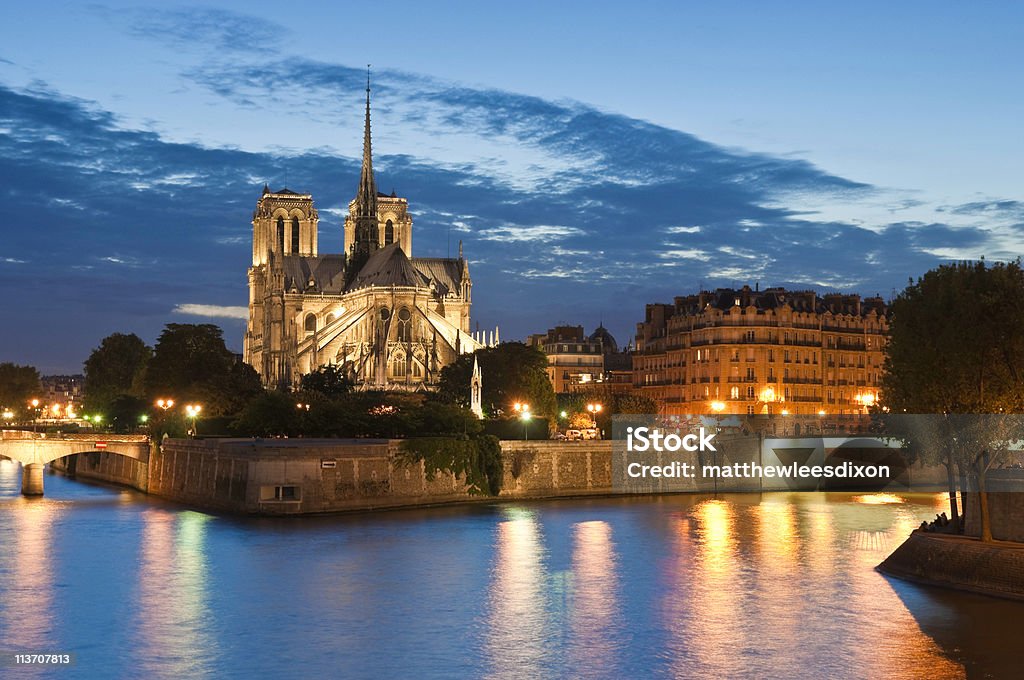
{"x": 295, "y": 235}
{"x": 310, "y": 323}
{"x": 280, "y": 235}
{"x": 280, "y": 493}
{"x": 389, "y": 232}
{"x": 404, "y": 325}
{"x": 398, "y": 367}
{"x": 750, "y": 392}
{"x": 734, "y": 393}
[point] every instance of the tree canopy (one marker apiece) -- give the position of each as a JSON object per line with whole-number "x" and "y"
{"x": 512, "y": 372}
{"x": 114, "y": 368}
{"x": 18, "y": 384}
{"x": 191, "y": 363}
{"x": 956, "y": 342}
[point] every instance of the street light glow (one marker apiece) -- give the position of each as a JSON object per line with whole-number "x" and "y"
{"x": 717, "y": 406}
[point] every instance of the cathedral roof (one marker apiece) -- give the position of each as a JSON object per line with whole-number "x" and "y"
{"x": 389, "y": 266}
{"x": 326, "y": 272}
{"x": 445, "y": 272}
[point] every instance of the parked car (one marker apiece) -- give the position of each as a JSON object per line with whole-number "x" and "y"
{"x": 573, "y": 435}
{"x": 590, "y": 433}
{"x": 559, "y": 436}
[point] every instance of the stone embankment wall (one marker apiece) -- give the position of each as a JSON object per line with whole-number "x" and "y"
{"x": 1005, "y": 505}
{"x": 960, "y": 562}
{"x": 302, "y": 477}
{"x": 106, "y": 467}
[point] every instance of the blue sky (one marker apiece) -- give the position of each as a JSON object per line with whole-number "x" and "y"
{"x": 593, "y": 158}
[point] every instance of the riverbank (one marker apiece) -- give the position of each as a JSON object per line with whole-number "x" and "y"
{"x": 961, "y": 562}
{"x": 318, "y": 476}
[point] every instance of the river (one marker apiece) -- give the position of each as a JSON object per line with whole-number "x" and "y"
{"x": 675, "y": 586}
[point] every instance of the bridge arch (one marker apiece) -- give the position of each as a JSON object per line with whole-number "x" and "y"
{"x": 35, "y": 451}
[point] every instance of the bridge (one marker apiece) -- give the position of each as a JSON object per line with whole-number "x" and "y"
{"x": 35, "y": 450}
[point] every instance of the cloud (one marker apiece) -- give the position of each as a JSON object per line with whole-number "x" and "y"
{"x": 537, "y": 233}
{"x": 214, "y": 311}
{"x": 215, "y": 30}
{"x": 610, "y": 213}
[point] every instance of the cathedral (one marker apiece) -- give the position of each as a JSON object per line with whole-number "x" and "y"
{"x": 389, "y": 320}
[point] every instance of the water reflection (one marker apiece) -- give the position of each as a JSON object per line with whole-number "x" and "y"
{"x": 517, "y": 628}
{"x": 173, "y": 617}
{"x": 682, "y": 586}
{"x": 27, "y": 606}
{"x": 596, "y": 607}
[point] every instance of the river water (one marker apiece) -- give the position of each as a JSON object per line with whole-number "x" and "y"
{"x": 679, "y": 586}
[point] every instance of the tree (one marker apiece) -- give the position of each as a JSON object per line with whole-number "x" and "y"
{"x": 125, "y": 411}
{"x": 271, "y": 413}
{"x": 328, "y": 381}
{"x": 114, "y": 368}
{"x": 956, "y": 346}
{"x": 18, "y": 384}
{"x": 191, "y": 363}
{"x": 512, "y": 372}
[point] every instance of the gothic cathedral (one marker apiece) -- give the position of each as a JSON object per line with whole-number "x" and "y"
{"x": 389, "y": 320}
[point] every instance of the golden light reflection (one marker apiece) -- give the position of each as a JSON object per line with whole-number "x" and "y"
{"x": 878, "y": 499}
{"x": 27, "y": 607}
{"x": 518, "y": 625}
{"x": 173, "y": 615}
{"x": 715, "y": 593}
{"x": 595, "y": 599}
{"x": 897, "y": 640}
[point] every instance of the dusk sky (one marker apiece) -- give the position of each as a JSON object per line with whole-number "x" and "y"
{"x": 592, "y": 158}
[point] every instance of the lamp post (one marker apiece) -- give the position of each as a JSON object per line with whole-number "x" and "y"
{"x": 593, "y": 410}
{"x": 192, "y": 411}
{"x": 524, "y": 414}
{"x": 35, "y": 413}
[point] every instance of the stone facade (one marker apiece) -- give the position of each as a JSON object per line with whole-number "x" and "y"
{"x": 390, "y": 320}
{"x": 762, "y": 352}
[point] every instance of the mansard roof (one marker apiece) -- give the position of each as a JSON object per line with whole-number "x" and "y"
{"x": 326, "y": 272}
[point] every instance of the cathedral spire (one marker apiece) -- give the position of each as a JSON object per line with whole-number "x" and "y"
{"x": 366, "y": 199}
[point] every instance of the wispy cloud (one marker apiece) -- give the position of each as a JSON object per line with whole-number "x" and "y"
{"x": 213, "y": 311}
{"x": 215, "y": 30}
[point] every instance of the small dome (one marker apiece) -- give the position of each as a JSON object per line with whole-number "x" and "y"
{"x": 605, "y": 338}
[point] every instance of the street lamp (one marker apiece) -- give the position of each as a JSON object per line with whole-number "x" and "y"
{"x": 524, "y": 414}
{"x": 164, "y": 403}
{"x": 35, "y": 412}
{"x": 192, "y": 411}
{"x": 718, "y": 406}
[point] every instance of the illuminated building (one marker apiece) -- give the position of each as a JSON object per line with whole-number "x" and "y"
{"x": 750, "y": 351}
{"x": 389, "y": 320}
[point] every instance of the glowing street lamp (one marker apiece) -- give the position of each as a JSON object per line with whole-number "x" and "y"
{"x": 524, "y": 414}
{"x": 717, "y": 406}
{"x": 192, "y": 411}
{"x": 164, "y": 403}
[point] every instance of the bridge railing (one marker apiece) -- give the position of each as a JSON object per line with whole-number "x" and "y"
{"x": 73, "y": 436}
